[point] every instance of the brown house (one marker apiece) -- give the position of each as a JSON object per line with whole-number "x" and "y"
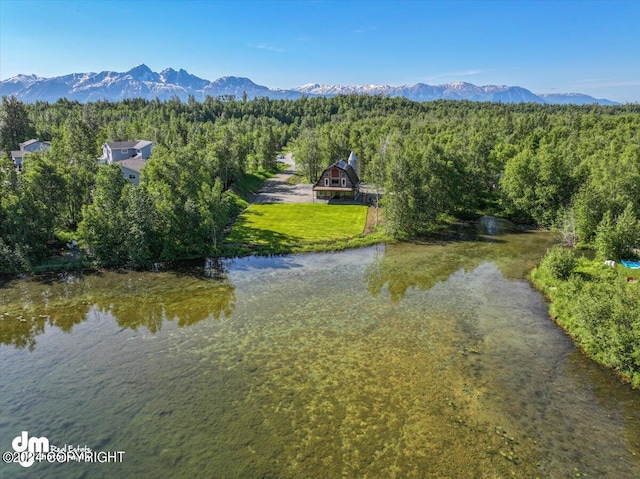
{"x": 339, "y": 181}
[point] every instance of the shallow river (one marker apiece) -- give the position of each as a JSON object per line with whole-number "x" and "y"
{"x": 405, "y": 361}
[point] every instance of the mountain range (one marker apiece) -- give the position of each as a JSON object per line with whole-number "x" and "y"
{"x": 142, "y": 82}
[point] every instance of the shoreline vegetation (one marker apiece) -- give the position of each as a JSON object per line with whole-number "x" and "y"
{"x": 598, "y": 306}
{"x": 75, "y": 258}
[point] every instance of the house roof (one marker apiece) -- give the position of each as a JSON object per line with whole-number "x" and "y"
{"x": 18, "y": 154}
{"x": 125, "y": 145}
{"x": 134, "y": 164}
{"x": 142, "y": 143}
{"x": 348, "y": 169}
{"x": 119, "y": 145}
{"x": 27, "y": 143}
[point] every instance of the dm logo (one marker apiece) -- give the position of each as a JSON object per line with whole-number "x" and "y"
{"x": 27, "y": 447}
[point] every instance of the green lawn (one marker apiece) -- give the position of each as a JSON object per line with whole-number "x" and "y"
{"x": 292, "y": 227}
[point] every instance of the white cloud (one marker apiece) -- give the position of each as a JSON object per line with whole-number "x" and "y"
{"x": 266, "y": 46}
{"x": 364, "y": 30}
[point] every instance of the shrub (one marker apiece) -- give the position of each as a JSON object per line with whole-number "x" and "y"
{"x": 616, "y": 239}
{"x": 12, "y": 260}
{"x": 559, "y": 262}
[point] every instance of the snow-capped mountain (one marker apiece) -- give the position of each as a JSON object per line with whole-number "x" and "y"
{"x": 142, "y": 82}
{"x": 183, "y": 78}
{"x": 17, "y": 83}
{"x": 424, "y": 92}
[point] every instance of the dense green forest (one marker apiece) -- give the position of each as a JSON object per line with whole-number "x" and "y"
{"x": 576, "y": 168}
{"x": 571, "y": 168}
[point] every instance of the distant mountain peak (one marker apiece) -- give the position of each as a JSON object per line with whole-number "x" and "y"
{"x": 233, "y": 79}
{"x": 183, "y": 79}
{"x": 142, "y": 72}
{"x": 574, "y": 98}
{"x": 21, "y": 77}
{"x": 141, "y": 66}
{"x": 142, "y": 82}
{"x": 459, "y": 84}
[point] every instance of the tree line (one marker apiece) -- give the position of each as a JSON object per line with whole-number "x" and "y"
{"x": 575, "y": 168}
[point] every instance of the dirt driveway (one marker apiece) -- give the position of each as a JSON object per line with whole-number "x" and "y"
{"x": 277, "y": 190}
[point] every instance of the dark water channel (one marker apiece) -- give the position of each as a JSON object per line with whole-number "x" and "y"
{"x": 425, "y": 361}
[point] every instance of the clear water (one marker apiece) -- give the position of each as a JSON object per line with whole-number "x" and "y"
{"x": 425, "y": 361}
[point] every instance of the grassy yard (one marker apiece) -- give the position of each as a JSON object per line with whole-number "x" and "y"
{"x": 302, "y": 227}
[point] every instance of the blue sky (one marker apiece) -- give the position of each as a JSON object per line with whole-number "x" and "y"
{"x": 590, "y": 47}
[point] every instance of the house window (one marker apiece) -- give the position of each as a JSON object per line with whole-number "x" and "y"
{"x": 344, "y": 182}
{"x": 326, "y": 182}
{"x": 124, "y": 152}
{"x": 132, "y": 177}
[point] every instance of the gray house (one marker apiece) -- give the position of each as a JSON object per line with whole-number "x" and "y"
{"x": 125, "y": 150}
{"x": 17, "y": 157}
{"x": 131, "y": 169}
{"x": 26, "y": 147}
{"x": 131, "y": 156}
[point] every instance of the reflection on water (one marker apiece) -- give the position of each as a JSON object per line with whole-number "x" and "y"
{"x": 403, "y": 266}
{"x": 491, "y": 226}
{"x": 133, "y": 299}
{"x": 405, "y": 361}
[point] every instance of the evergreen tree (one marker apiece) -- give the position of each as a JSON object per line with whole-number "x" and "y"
{"x": 15, "y": 126}
{"x": 616, "y": 239}
{"x": 104, "y": 227}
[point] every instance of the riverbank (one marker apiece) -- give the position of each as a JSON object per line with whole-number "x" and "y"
{"x": 598, "y": 307}
{"x": 366, "y": 230}
{"x": 67, "y": 253}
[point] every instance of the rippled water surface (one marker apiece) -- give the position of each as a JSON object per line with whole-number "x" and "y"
{"x": 425, "y": 361}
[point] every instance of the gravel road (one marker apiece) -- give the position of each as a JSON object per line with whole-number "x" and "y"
{"x": 277, "y": 190}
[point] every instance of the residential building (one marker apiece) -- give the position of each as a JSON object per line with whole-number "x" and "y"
{"x": 26, "y": 147}
{"x": 131, "y": 169}
{"x": 131, "y": 156}
{"x": 125, "y": 150}
{"x": 339, "y": 181}
{"x": 35, "y": 145}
